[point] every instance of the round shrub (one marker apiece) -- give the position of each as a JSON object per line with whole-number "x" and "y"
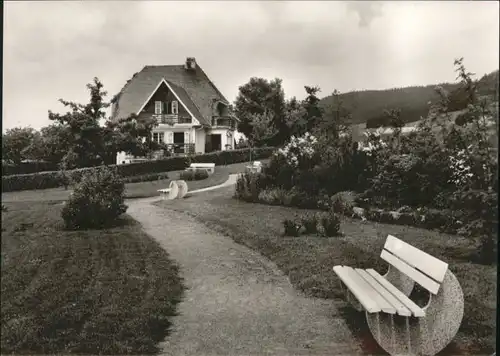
{"x": 97, "y": 200}
{"x": 200, "y": 174}
{"x": 193, "y": 174}
{"x": 330, "y": 224}
{"x": 292, "y": 228}
{"x": 310, "y": 223}
{"x": 342, "y": 203}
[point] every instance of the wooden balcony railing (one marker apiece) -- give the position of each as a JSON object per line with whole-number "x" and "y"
{"x": 172, "y": 119}
{"x": 223, "y": 121}
{"x": 180, "y": 148}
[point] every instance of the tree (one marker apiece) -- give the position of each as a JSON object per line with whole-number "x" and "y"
{"x": 257, "y": 97}
{"x": 336, "y": 117}
{"x": 314, "y": 113}
{"x": 131, "y": 135}
{"x": 86, "y": 143}
{"x": 262, "y": 129}
{"x": 16, "y": 144}
{"x": 83, "y": 125}
{"x": 295, "y": 115}
{"x": 55, "y": 142}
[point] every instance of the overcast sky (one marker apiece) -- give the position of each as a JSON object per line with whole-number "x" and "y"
{"x": 53, "y": 49}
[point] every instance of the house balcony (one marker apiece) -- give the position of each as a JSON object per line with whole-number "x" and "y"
{"x": 172, "y": 119}
{"x": 223, "y": 122}
{"x": 180, "y": 148}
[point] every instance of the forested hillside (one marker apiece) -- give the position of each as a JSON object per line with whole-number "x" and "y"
{"x": 369, "y": 105}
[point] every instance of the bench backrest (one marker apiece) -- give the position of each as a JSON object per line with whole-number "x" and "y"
{"x": 424, "y": 269}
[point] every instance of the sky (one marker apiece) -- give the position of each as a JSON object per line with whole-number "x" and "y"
{"x": 53, "y": 49}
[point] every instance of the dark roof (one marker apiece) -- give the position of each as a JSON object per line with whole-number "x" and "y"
{"x": 193, "y": 87}
{"x": 186, "y": 99}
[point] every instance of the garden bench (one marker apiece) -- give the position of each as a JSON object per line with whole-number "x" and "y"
{"x": 210, "y": 167}
{"x": 176, "y": 189}
{"x": 398, "y": 324}
{"x": 256, "y": 166}
{"x": 171, "y": 192}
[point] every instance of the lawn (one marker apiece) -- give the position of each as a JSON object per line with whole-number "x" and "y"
{"x": 109, "y": 291}
{"x": 132, "y": 190}
{"x": 308, "y": 260}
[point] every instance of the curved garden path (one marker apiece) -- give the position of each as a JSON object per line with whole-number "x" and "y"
{"x": 237, "y": 302}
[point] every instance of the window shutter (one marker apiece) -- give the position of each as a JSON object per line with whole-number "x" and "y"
{"x": 175, "y": 107}
{"x": 158, "y": 107}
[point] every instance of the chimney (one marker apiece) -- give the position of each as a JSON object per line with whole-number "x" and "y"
{"x": 190, "y": 63}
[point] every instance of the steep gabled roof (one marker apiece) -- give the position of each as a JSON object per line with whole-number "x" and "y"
{"x": 193, "y": 87}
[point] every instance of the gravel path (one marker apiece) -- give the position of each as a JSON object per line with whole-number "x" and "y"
{"x": 237, "y": 302}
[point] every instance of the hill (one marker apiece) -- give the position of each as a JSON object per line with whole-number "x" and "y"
{"x": 369, "y": 105}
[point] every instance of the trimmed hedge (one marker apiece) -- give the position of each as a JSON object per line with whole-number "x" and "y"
{"x": 27, "y": 168}
{"x": 54, "y": 179}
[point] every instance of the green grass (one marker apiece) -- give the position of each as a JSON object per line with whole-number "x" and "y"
{"x": 109, "y": 291}
{"x": 308, "y": 260}
{"x": 132, "y": 190}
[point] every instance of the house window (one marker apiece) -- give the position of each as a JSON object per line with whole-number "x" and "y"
{"x": 158, "y": 107}
{"x": 158, "y": 137}
{"x": 175, "y": 107}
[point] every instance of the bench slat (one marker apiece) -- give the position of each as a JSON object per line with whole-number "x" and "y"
{"x": 407, "y": 302}
{"x": 362, "y": 292}
{"x": 411, "y": 272}
{"x": 384, "y": 305}
{"x": 430, "y": 265}
{"x": 392, "y": 300}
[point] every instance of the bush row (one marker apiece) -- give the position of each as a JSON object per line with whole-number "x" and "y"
{"x": 27, "y": 168}
{"x": 196, "y": 174}
{"x": 54, "y": 179}
{"x": 323, "y": 224}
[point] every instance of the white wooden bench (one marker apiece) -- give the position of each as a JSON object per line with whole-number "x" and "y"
{"x": 177, "y": 189}
{"x": 256, "y": 166}
{"x": 398, "y": 324}
{"x": 209, "y": 167}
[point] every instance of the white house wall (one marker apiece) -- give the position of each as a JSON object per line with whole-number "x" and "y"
{"x": 199, "y": 146}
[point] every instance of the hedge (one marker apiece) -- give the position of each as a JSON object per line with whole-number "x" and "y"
{"x": 54, "y": 179}
{"x": 27, "y": 168}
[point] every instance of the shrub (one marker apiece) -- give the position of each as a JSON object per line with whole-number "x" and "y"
{"x": 196, "y": 174}
{"x": 330, "y": 224}
{"x": 301, "y": 199}
{"x": 342, "y": 203}
{"x": 310, "y": 223}
{"x": 200, "y": 174}
{"x": 96, "y": 201}
{"x": 292, "y": 228}
{"x": 248, "y": 187}
{"x": 274, "y": 196}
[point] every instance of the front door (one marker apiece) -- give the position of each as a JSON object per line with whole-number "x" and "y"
{"x": 216, "y": 142}
{"x": 178, "y": 142}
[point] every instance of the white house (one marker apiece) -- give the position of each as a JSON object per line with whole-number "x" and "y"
{"x": 192, "y": 114}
